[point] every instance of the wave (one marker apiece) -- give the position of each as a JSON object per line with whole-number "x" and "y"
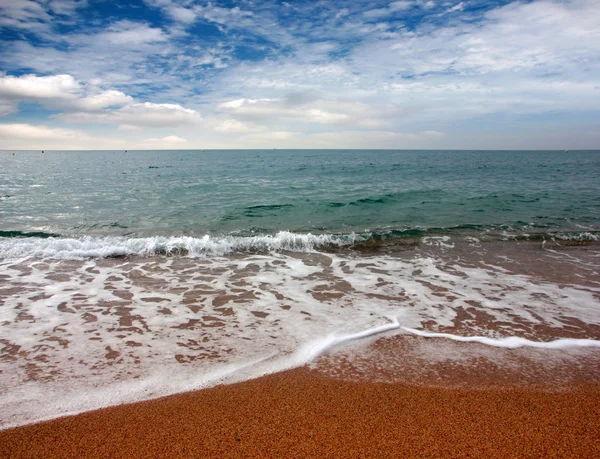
{"x": 376, "y": 201}
{"x": 117, "y": 246}
{"x": 17, "y": 244}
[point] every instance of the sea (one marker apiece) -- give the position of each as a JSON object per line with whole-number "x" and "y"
{"x": 131, "y": 275}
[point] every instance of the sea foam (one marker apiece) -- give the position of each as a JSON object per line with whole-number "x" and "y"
{"x": 115, "y": 331}
{"x": 509, "y": 342}
{"x": 104, "y": 247}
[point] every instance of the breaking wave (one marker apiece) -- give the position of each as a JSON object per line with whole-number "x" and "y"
{"x": 116, "y": 246}
{"x": 17, "y": 245}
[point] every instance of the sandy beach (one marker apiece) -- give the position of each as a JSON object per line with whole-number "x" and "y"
{"x": 302, "y": 413}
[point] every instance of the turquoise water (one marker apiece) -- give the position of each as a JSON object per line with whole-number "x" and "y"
{"x": 370, "y": 193}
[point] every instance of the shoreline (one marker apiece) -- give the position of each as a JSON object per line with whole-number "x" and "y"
{"x": 304, "y": 413}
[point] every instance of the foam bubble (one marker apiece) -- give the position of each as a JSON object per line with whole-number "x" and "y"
{"x": 510, "y": 342}
{"x": 582, "y": 236}
{"x": 442, "y": 242}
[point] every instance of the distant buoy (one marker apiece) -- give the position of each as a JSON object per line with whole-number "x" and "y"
{"x": 566, "y": 151}
{"x": 13, "y": 154}
{"x": 125, "y": 151}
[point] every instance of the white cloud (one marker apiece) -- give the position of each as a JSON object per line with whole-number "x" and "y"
{"x": 41, "y": 137}
{"x": 89, "y": 103}
{"x": 168, "y": 142}
{"x": 23, "y": 14}
{"x": 7, "y": 107}
{"x": 37, "y": 17}
{"x": 266, "y": 139}
{"x": 226, "y": 16}
{"x": 31, "y": 132}
{"x": 89, "y": 57}
{"x": 172, "y": 139}
{"x": 371, "y": 139}
{"x": 185, "y": 15}
{"x": 145, "y": 114}
{"x": 458, "y": 7}
{"x": 271, "y": 135}
{"x": 232, "y": 125}
{"x": 317, "y": 115}
{"x": 390, "y": 9}
{"x": 66, "y": 7}
{"x": 129, "y": 128}
{"x": 150, "y": 114}
{"x": 400, "y": 5}
{"x": 131, "y": 33}
{"x": 376, "y": 13}
{"x": 329, "y": 139}
{"x": 32, "y": 87}
{"x": 251, "y": 106}
{"x": 109, "y": 98}
{"x": 539, "y": 36}
{"x": 56, "y": 91}
{"x": 342, "y": 13}
{"x": 309, "y": 108}
{"x": 137, "y": 54}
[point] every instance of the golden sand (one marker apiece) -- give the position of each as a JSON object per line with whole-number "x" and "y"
{"x": 301, "y": 413}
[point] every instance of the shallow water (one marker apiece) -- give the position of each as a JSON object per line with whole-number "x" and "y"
{"x": 119, "y": 330}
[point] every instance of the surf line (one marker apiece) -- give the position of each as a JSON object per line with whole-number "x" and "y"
{"x": 312, "y": 350}
{"x": 154, "y": 388}
{"x": 511, "y": 342}
{"x": 315, "y": 348}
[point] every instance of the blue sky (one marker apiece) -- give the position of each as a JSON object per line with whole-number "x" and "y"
{"x": 151, "y": 74}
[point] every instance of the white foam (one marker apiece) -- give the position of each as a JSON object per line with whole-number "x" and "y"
{"x": 442, "y": 242}
{"x": 25, "y": 400}
{"x": 510, "y": 342}
{"x": 102, "y": 247}
{"x": 180, "y": 324}
{"x": 473, "y": 241}
{"x": 585, "y": 236}
{"x": 310, "y": 351}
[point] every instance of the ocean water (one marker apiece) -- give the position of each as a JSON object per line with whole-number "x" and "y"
{"x": 253, "y": 193}
{"x": 126, "y": 276}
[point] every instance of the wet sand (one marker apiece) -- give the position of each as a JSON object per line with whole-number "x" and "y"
{"x": 303, "y": 413}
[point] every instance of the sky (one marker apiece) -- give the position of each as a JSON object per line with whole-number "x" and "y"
{"x": 184, "y": 74}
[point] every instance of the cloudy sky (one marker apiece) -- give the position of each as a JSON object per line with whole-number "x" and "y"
{"x": 149, "y": 74}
